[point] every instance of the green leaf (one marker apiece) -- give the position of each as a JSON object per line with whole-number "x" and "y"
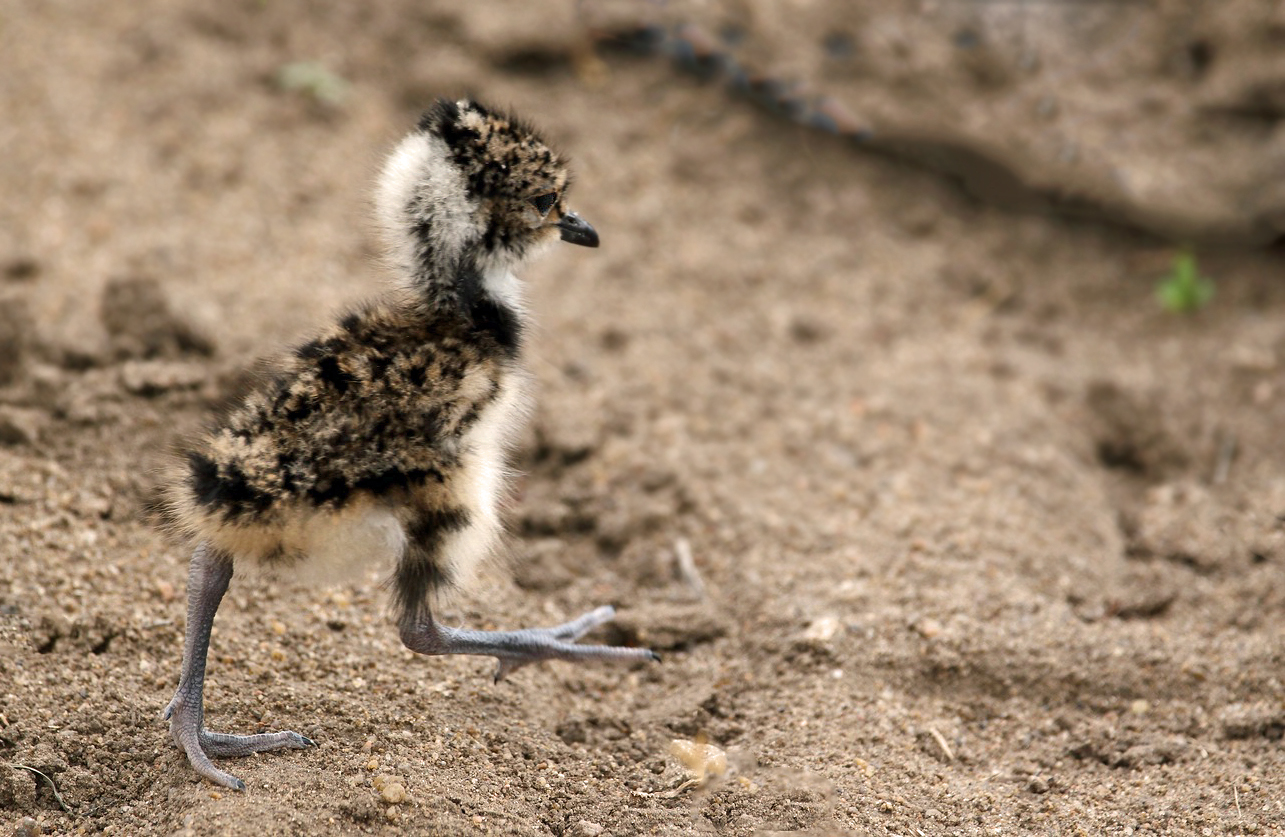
{"x": 313, "y": 79}
{"x": 1184, "y": 290}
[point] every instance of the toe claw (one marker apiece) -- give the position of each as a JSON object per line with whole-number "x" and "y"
{"x": 655, "y": 658}
{"x": 503, "y": 669}
{"x": 238, "y": 785}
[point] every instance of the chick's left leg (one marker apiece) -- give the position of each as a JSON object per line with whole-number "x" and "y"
{"x": 208, "y": 579}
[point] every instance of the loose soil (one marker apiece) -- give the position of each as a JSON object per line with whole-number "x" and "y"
{"x": 942, "y": 523}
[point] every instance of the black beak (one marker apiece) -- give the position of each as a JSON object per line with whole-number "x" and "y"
{"x": 577, "y": 231}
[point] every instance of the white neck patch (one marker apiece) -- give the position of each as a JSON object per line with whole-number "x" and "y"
{"x": 418, "y": 172}
{"x": 503, "y": 286}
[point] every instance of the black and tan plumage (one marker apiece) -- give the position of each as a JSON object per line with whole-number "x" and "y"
{"x": 385, "y": 438}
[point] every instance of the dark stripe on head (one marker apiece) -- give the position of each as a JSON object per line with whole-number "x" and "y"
{"x": 442, "y": 112}
{"x": 443, "y": 119}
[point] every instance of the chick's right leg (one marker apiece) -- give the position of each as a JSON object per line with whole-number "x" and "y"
{"x": 514, "y": 649}
{"x": 208, "y": 579}
{"x": 425, "y": 567}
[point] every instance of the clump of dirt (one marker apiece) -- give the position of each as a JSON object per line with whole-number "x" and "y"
{"x": 141, "y": 324}
{"x": 1133, "y": 435}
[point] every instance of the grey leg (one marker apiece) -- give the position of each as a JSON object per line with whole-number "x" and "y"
{"x": 207, "y": 581}
{"x": 515, "y": 649}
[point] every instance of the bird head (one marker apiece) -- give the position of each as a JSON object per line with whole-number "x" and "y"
{"x": 474, "y": 183}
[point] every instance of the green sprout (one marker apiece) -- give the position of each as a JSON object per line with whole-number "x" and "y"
{"x": 314, "y": 80}
{"x": 1183, "y": 290}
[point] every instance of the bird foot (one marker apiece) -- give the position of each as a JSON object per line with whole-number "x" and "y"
{"x": 514, "y": 649}
{"x": 560, "y": 640}
{"x": 188, "y": 731}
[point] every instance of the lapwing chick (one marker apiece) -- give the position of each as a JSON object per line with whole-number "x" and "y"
{"x": 385, "y": 438}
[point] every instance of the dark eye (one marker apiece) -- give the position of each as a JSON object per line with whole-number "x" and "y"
{"x": 544, "y": 203}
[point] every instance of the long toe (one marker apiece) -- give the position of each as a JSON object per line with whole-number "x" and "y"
{"x": 201, "y": 764}
{"x": 555, "y": 649}
{"x": 222, "y": 745}
{"x": 227, "y": 780}
{"x": 581, "y": 625}
{"x": 514, "y": 649}
{"x": 547, "y": 644}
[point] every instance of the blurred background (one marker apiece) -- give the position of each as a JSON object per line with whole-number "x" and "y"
{"x": 921, "y": 406}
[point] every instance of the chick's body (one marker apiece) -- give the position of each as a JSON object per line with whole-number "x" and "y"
{"x": 385, "y": 438}
{"x": 389, "y": 431}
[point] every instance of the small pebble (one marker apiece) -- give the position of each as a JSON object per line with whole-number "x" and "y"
{"x": 702, "y": 761}
{"x": 928, "y": 628}
{"x": 391, "y": 789}
{"x": 822, "y": 629}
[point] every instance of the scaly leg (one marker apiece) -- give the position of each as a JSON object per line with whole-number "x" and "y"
{"x": 515, "y": 649}
{"x": 207, "y": 581}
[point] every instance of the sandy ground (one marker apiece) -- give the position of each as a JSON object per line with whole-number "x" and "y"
{"x": 942, "y": 524}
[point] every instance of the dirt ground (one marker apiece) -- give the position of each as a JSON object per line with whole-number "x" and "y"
{"x": 942, "y": 523}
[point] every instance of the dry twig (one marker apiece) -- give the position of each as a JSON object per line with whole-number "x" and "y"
{"x": 57, "y": 796}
